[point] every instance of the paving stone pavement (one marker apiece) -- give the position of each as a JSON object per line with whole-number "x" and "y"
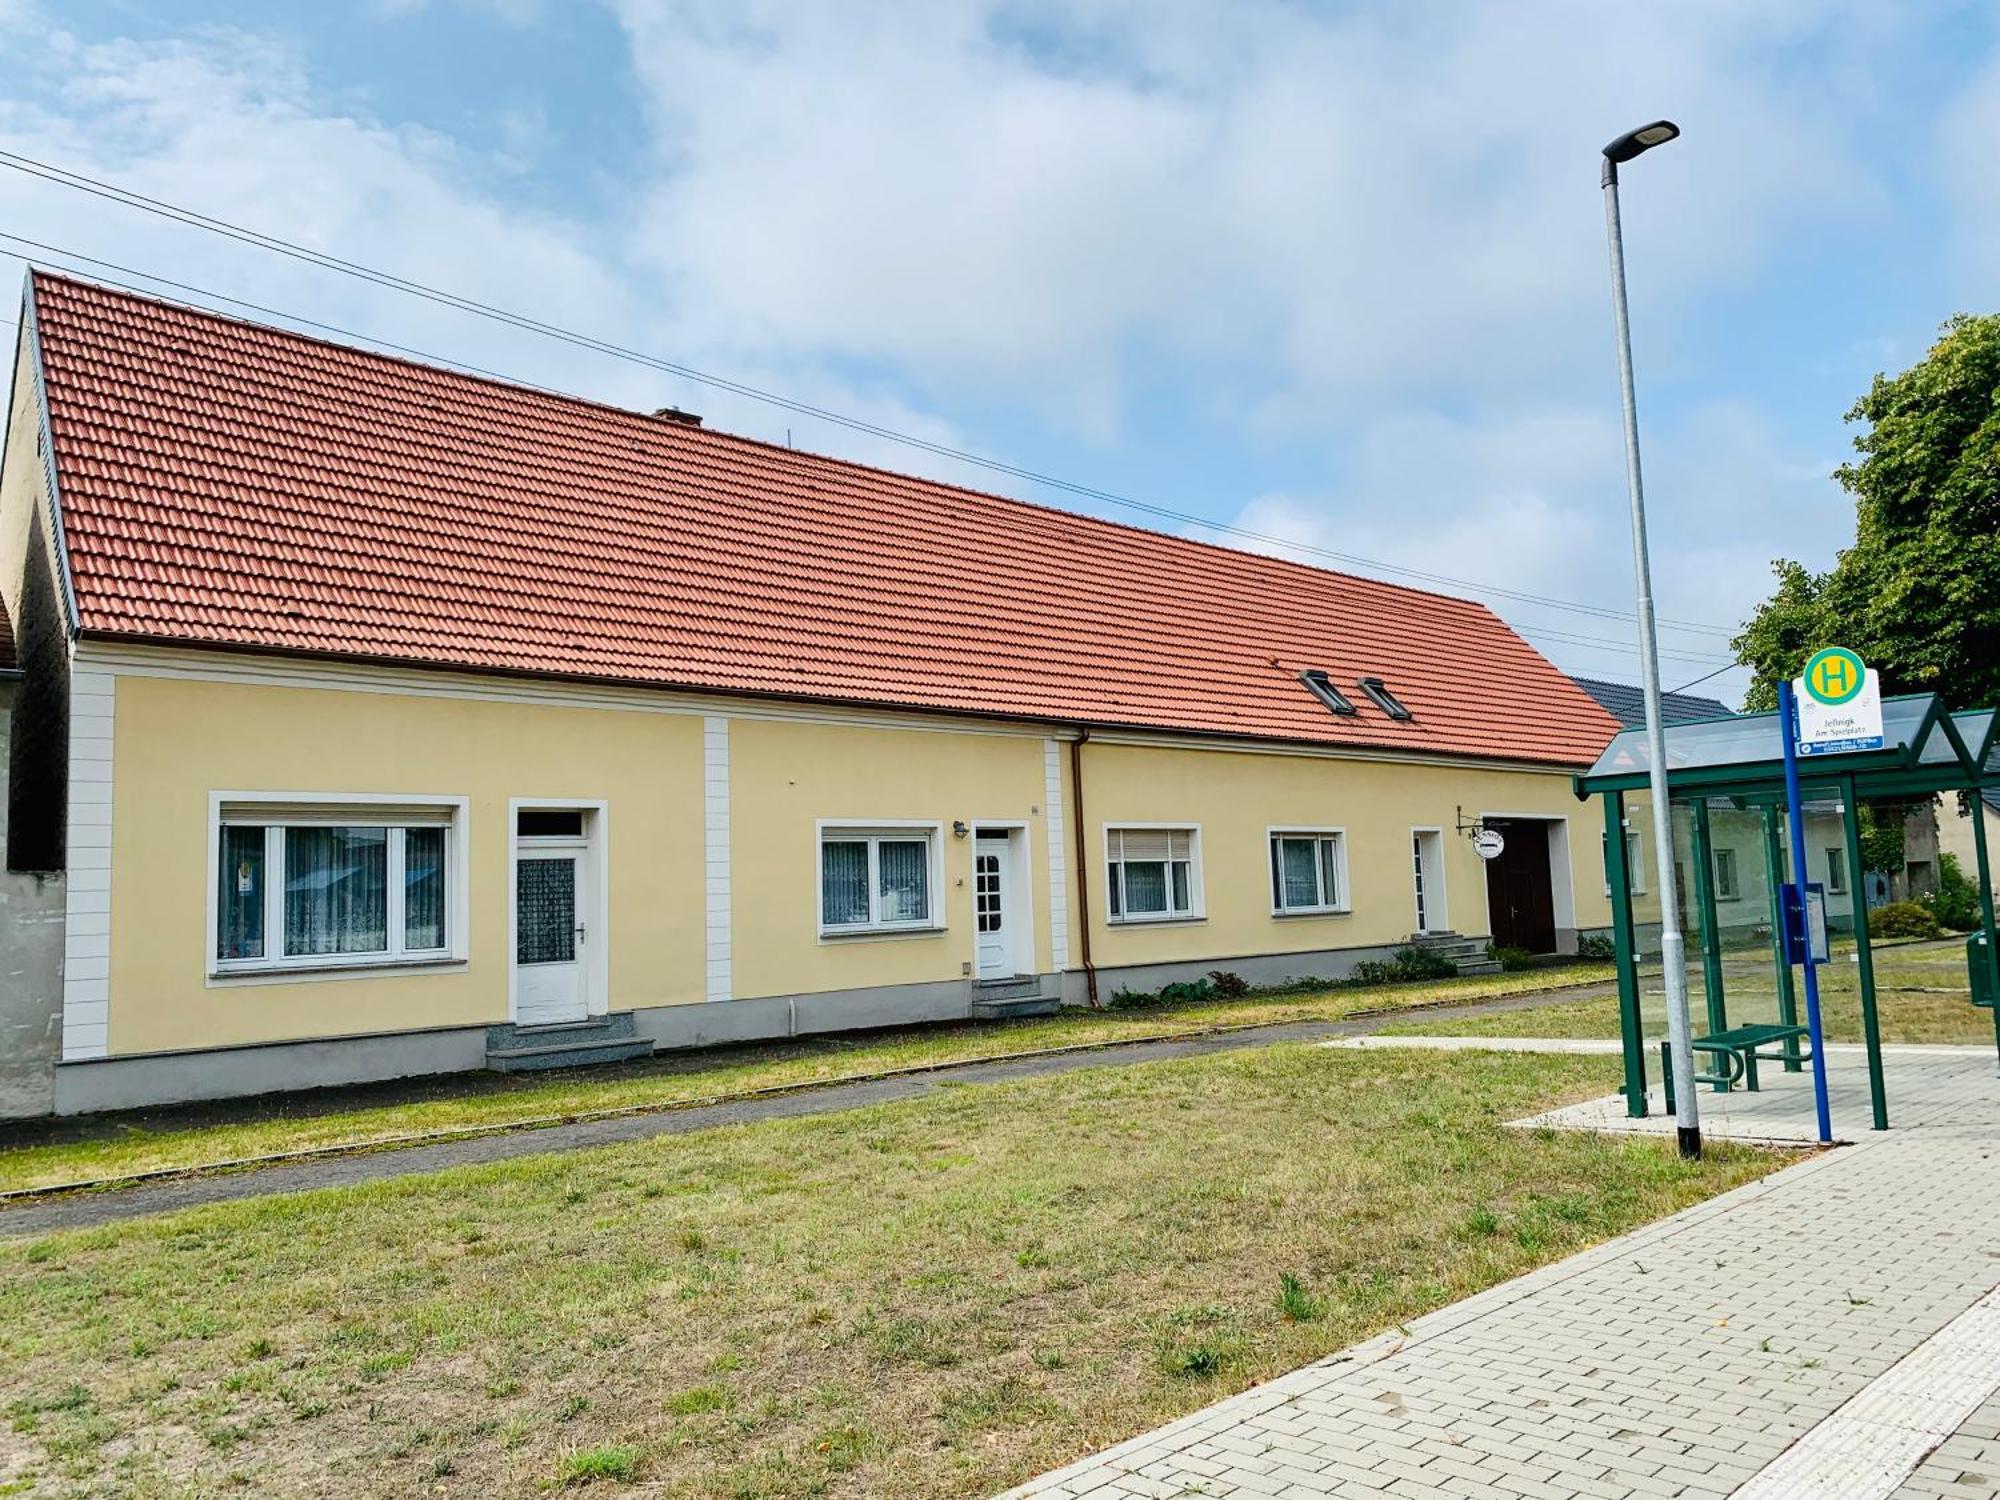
{"x": 1966, "y": 1466}
{"x": 1678, "y": 1360}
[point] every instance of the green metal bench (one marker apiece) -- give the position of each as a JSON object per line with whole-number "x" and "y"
{"x": 1737, "y": 1049}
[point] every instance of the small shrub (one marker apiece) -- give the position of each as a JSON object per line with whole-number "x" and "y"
{"x": 1423, "y": 963}
{"x": 1195, "y": 992}
{"x": 1372, "y": 971}
{"x": 1230, "y": 986}
{"x": 1595, "y": 945}
{"x": 1129, "y": 999}
{"x": 1956, "y": 904}
{"x": 1511, "y": 959}
{"x": 588, "y": 1465}
{"x": 1295, "y": 1303}
{"x": 1904, "y": 919}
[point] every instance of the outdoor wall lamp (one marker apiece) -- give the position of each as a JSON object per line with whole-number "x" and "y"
{"x": 958, "y": 828}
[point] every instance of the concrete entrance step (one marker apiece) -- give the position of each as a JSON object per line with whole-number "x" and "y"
{"x": 1007, "y": 1008}
{"x": 602, "y": 1039}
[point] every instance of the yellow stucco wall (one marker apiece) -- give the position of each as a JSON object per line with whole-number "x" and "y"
{"x": 787, "y": 778}
{"x": 178, "y": 741}
{"x": 1237, "y": 798}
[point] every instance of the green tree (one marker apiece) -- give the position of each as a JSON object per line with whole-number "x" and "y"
{"x": 1918, "y": 594}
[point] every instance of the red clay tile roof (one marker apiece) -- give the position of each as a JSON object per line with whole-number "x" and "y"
{"x": 230, "y": 484}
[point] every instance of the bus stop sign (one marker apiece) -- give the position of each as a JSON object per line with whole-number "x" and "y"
{"x": 1840, "y": 704}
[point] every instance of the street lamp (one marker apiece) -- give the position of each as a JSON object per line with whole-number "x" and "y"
{"x": 1672, "y": 947}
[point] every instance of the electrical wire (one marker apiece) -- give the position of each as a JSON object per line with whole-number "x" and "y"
{"x": 96, "y": 187}
{"x": 101, "y": 266}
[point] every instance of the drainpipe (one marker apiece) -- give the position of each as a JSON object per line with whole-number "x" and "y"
{"x": 1082, "y": 864}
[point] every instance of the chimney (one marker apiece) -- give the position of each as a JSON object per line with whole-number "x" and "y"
{"x": 675, "y": 414}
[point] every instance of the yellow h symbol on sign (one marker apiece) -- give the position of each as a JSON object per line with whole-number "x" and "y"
{"x": 1833, "y": 676}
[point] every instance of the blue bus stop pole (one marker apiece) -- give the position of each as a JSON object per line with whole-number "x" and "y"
{"x": 1788, "y": 726}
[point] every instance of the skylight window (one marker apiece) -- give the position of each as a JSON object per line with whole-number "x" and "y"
{"x": 1323, "y": 689}
{"x": 1379, "y": 694}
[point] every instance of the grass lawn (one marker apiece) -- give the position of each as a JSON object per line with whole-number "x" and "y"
{"x": 37, "y": 1154}
{"x": 939, "y": 1297}
{"x": 1920, "y": 996}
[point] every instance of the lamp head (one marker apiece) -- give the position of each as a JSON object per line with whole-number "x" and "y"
{"x": 1635, "y": 142}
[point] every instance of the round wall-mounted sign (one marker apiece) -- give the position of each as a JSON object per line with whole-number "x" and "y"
{"x": 1489, "y": 843}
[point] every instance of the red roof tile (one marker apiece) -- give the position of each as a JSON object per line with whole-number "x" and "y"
{"x": 230, "y": 484}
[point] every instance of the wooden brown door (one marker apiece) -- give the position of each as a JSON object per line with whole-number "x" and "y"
{"x": 1519, "y": 896}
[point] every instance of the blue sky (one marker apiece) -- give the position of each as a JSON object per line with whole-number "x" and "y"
{"x": 1331, "y": 273}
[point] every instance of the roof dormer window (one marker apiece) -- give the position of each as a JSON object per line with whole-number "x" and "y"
{"x": 1323, "y": 689}
{"x": 1379, "y": 695}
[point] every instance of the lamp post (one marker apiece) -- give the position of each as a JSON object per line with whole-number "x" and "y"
{"x": 1687, "y": 1118}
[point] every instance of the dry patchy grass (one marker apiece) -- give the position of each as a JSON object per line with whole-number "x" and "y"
{"x": 934, "y": 1298}
{"x": 1921, "y": 995}
{"x": 175, "y": 1140}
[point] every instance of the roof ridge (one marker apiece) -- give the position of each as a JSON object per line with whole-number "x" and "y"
{"x": 240, "y": 485}
{"x": 686, "y": 432}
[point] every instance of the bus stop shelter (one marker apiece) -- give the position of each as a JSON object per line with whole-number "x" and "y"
{"x": 1738, "y": 763}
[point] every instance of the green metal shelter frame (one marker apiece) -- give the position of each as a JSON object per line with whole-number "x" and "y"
{"x": 1926, "y": 750}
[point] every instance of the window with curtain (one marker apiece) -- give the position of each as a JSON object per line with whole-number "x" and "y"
{"x": 1306, "y": 872}
{"x": 1152, "y": 874}
{"x": 305, "y": 888}
{"x": 875, "y": 880}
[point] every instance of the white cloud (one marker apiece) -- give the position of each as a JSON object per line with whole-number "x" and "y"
{"x": 1371, "y": 202}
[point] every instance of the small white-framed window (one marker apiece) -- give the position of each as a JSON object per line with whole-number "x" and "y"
{"x": 878, "y": 878}
{"x": 1726, "y": 886}
{"x": 1308, "y": 871}
{"x": 331, "y": 884}
{"x": 1635, "y": 868}
{"x": 1153, "y": 873}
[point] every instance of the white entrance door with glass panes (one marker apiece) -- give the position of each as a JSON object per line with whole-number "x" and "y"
{"x": 992, "y": 903}
{"x": 552, "y": 916}
{"x": 1427, "y": 865}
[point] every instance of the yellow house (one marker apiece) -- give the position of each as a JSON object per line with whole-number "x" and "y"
{"x": 388, "y": 720}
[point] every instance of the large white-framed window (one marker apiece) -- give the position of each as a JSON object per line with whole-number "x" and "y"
{"x": 879, "y": 877}
{"x": 313, "y": 881}
{"x": 1153, "y": 872}
{"x": 1308, "y": 871}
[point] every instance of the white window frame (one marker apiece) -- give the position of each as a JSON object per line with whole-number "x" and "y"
{"x": 1726, "y": 858}
{"x": 276, "y": 811}
{"x": 874, "y": 830}
{"x": 1836, "y": 863}
{"x": 1344, "y": 904}
{"x": 1114, "y": 874}
{"x": 1635, "y": 864}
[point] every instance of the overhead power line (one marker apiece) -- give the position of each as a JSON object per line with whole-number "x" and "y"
{"x": 101, "y": 267}
{"x": 78, "y": 181}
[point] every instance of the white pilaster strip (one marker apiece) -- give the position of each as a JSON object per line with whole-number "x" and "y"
{"x": 715, "y": 803}
{"x": 87, "y": 918}
{"x": 1055, "y": 825}
{"x": 1865, "y": 1450}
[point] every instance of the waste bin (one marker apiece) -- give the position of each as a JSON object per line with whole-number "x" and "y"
{"x": 1977, "y": 971}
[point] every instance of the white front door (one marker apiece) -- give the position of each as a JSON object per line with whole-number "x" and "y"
{"x": 549, "y": 934}
{"x": 1427, "y": 860}
{"x": 991, "y": 903}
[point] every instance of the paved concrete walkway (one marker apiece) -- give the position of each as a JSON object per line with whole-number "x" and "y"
{"x": 1829, "y": 1333}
